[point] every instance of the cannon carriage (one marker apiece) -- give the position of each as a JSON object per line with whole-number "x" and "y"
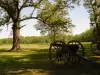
{"x": 61, "y": 53}
{"x": 95, "y": 47}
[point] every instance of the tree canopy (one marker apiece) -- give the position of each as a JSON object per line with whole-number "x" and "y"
{"x": 12, "y": 14}
{"x": 93, "y": 7}
{"x": 55, "y": 19}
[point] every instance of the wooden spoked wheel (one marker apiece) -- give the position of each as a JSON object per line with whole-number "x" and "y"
{"x": 76, "y": 51}
{"x": 95, "y": 47}
{"x": 57, "y": 55}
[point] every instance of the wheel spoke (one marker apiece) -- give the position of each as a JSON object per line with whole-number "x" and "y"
{"x": 95, "y": 48}
{"x": 56, "y": 54}
{"x": 75, "y": 52}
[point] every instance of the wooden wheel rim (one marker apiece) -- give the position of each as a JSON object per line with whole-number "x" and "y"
{"x": 58, "y": 60}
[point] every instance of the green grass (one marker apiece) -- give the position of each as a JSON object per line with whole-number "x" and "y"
{"x": 33, "y": 60}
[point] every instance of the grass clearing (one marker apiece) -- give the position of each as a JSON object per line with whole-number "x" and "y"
{"x": 33, "y": 60}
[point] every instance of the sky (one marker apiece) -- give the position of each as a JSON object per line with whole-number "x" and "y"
{"x": 79, "y": 17}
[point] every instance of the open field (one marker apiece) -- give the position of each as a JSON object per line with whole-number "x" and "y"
{"x": 33, "y": 60}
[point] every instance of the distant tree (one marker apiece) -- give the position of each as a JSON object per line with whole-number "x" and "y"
{"x": 85, "y": 36}
{"x": 56, "y": 20}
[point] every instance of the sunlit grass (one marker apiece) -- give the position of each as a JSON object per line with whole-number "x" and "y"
{"x": 33, "y": 60}
{"x": 31, "y": 56}
{"x": 39, "y": 46}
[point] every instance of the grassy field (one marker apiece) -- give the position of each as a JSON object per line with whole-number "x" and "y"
{"x": 33, "y": 60}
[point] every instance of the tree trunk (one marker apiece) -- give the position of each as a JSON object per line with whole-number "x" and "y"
{"x": 54, "y": 36}
{"x": 16, "y": 36}
{"x": 98, "y": 32}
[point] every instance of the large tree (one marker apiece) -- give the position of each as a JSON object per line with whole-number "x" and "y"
{"x": 12, "y": 14}
{"x": 93, "y": 7}
{"x": 56, "y": 20}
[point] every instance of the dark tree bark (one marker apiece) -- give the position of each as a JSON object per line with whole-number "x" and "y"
{"x": 98, "y": 32}
{"x": 96, "y": 18}
{"x": 16, "y": 37}
{"x": 16, "y": 28}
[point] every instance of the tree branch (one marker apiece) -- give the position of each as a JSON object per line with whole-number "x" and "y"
{"x": 23, "y": 5}
{"x": 34, "y": 18}
{"x": 35, "y": 7}
{"x": 29, "y": 5}
{"x": 54, "y": 11}
{"x": 28, "y": 18}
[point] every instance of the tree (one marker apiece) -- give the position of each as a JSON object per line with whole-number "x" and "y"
{"x": 86, "y": 36}
{"x": 12, "y": 14}
{"x": 56, "y": 20}
{"x": 93, "y": 7}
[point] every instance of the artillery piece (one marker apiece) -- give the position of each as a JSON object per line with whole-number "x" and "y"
{"x": 61, "y": 53}
{"x": 95, "y": 47}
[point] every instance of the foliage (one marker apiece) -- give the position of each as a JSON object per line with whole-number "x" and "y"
{"x": 86, "y": 36}
{"x": 13, "y": 9}
{"x": 12, "y": 14}
{"x": 93, "y": 7}
{"x": 27, "y": 40}
{"x": 34, "y": 39}
{"x": 55, "y": 21}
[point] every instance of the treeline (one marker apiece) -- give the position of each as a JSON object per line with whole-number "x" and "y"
{"x": 35, "y": 39}
{"x": 83, "y": 37}
{"x": 86, "y": 36}
{"x": 27, "y": 40}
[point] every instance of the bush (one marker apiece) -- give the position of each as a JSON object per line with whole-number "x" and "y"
{"x": 27, "y": 40}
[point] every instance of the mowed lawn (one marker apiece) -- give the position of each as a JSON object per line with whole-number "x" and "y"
{"x": 33, "y": 60}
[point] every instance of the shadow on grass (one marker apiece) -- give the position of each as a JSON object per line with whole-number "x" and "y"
{"x": 4, "y": 50}
{"x": 29, "y": 63}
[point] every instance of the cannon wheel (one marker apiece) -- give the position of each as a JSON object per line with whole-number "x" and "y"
{"x": 95, "y": 47}
{"x": 80, "y": 52}
{"x": 56, "y": 54}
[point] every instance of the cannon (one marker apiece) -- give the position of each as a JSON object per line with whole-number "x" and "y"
{"x": 61, "y": 53}
{"x": 95, "y": 47}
